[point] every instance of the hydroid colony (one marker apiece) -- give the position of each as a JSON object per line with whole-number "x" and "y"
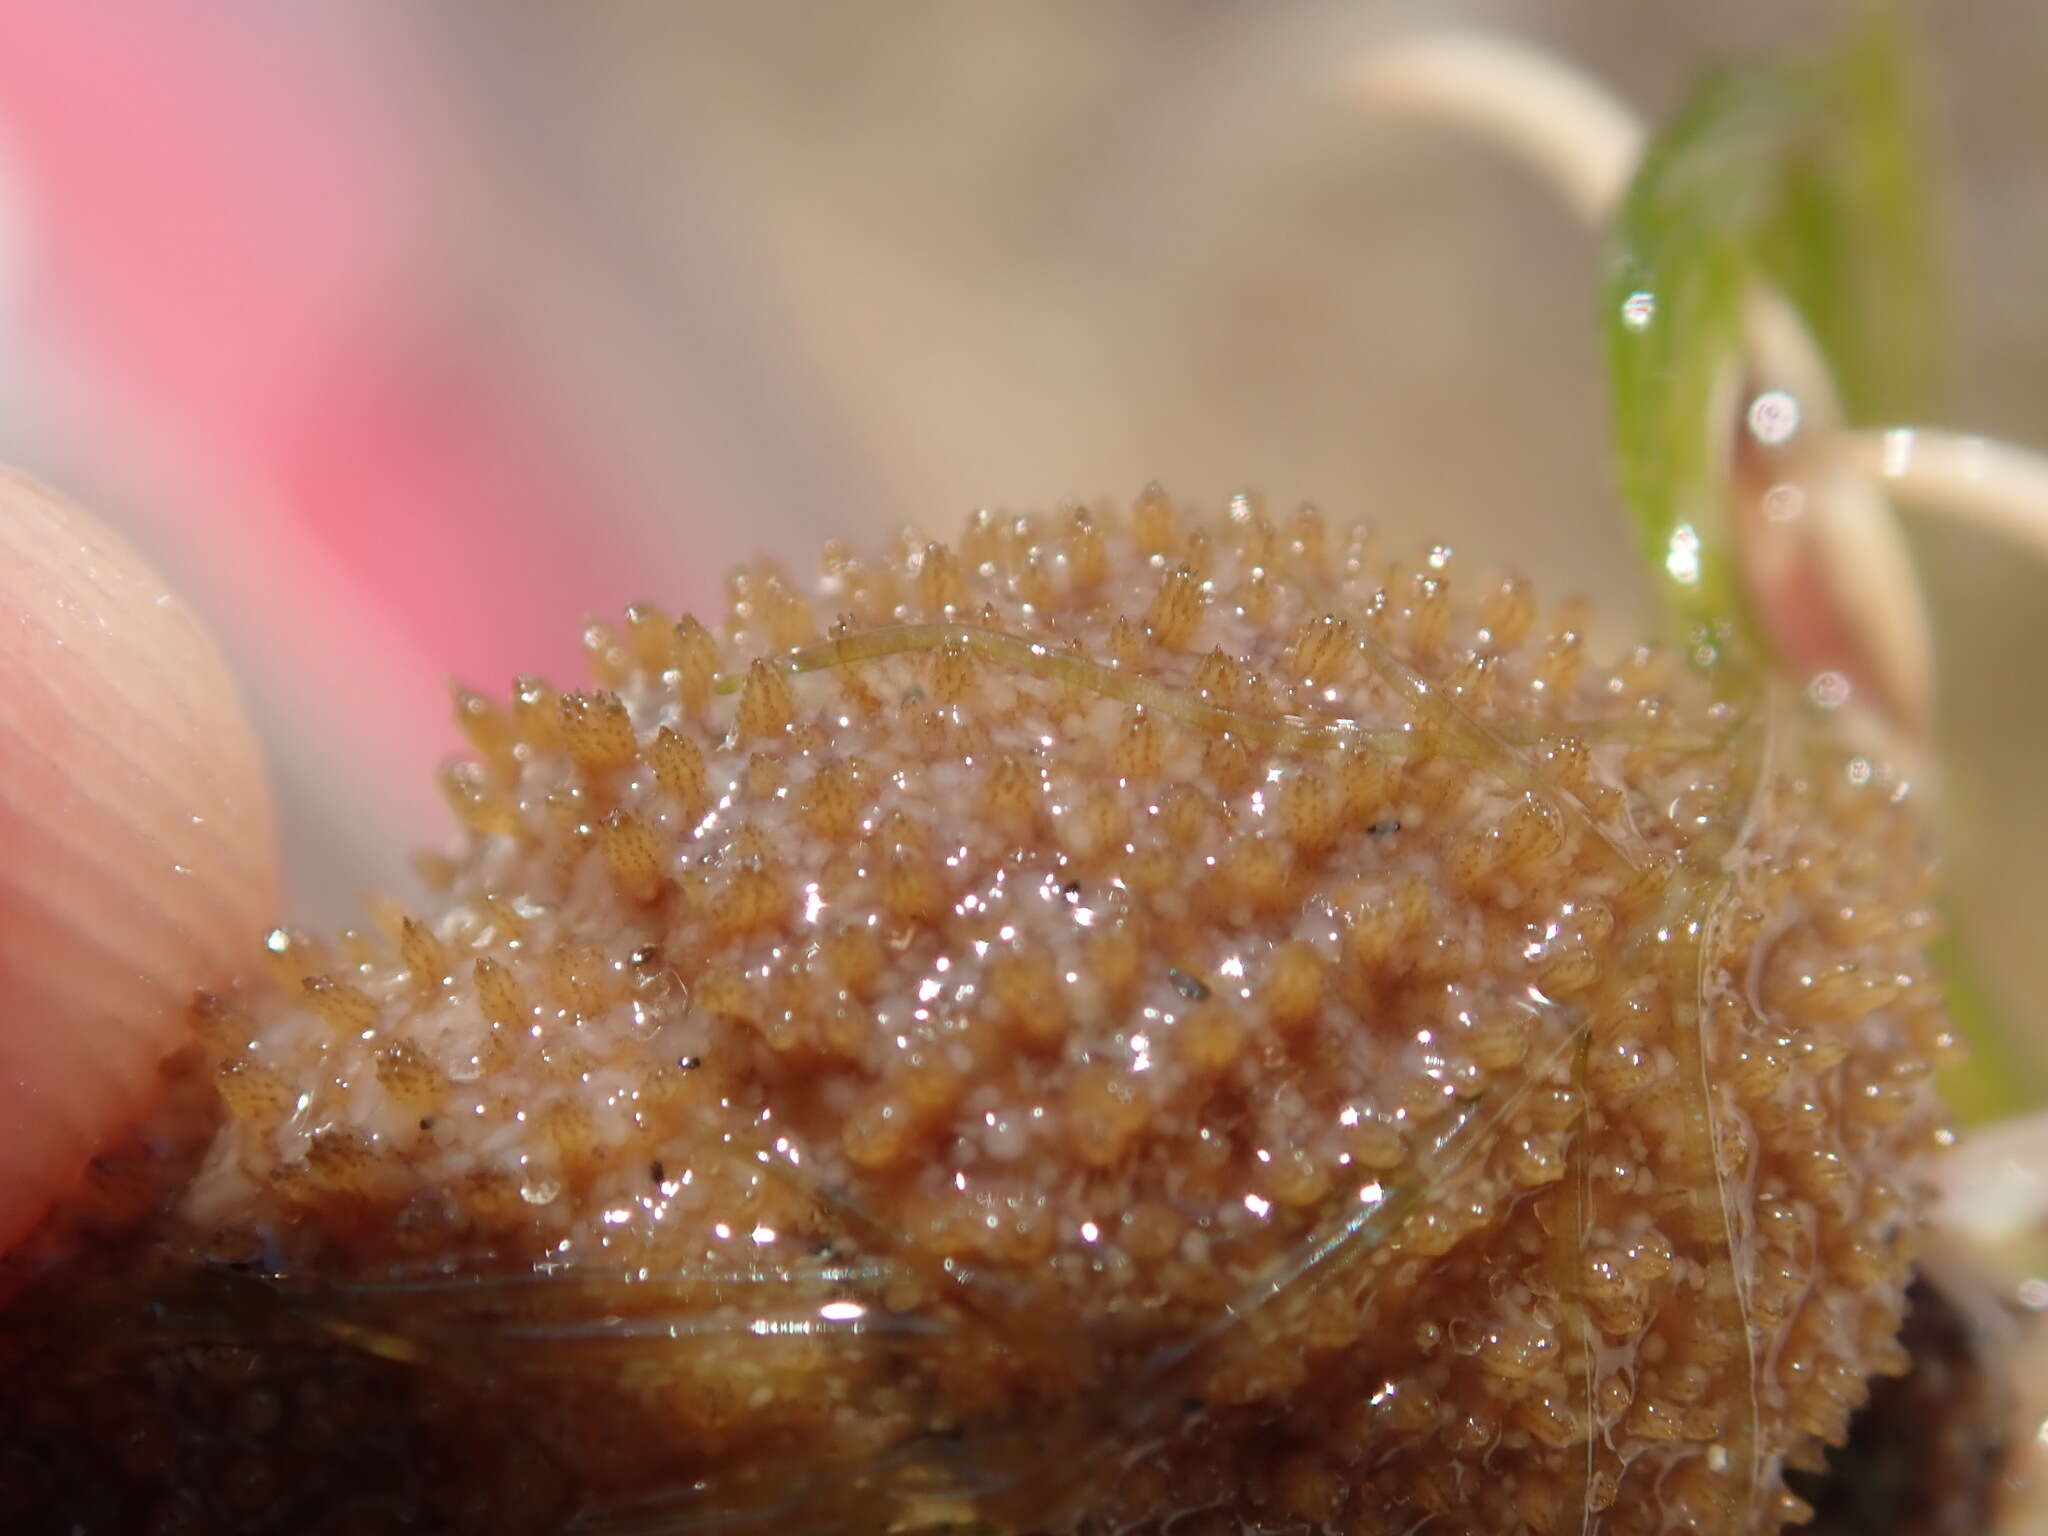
{"x": 1129, "y": 1024}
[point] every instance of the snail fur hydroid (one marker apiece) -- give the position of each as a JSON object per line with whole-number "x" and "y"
{"x": 1131, "y": 1023}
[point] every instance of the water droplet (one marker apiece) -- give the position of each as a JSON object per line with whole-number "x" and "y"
{"x": 1784, "y": 503}
{"x": 1682, "y": 555}
{"x": 1830, "y": 690}
{"x": 660, "y": 996}
{"x": 1773, "y": 417}
{"x": 1638, "y": 310}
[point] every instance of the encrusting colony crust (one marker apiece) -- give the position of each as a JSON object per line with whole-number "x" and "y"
{"x": 1115, "y": 1025}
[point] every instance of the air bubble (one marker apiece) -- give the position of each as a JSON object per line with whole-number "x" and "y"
{"x": 1138, "y": 993}
{"x": 1773, "y": 417}
{"x": 1830, "y": 690}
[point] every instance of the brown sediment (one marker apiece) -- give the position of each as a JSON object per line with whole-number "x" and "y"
{"x": 1132, "y": 1026}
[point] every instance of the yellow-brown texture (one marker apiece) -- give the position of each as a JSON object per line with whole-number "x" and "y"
{"x": 1142, "y": 1026}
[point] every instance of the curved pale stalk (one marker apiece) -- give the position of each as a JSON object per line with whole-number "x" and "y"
{"x": 1966, "y": 479}
{"x": 1994, "y": 1189}
{"x": 1579, "y": 135}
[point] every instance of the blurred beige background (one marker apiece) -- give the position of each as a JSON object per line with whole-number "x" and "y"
{"x": 812, "y": 271}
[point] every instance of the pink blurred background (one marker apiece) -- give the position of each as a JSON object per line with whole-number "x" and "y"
{"x": 406, "y": 338}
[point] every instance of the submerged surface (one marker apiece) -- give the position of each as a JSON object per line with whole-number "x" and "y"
{"x": 1139, "y": 1025}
